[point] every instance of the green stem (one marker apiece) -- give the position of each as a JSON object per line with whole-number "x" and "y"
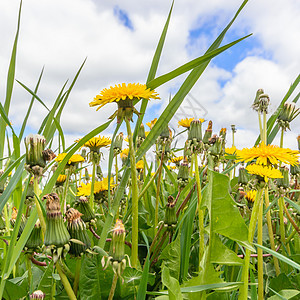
{"x": 113, "y": 287}
{"x": 158, "y": 189}
{"x": 92, "y": 185}
{"x": 260, "y": 253}
{"x": 245, "y": 274}
{"x": 116, "y": 168}
{"x": 200, "y": 211}
{"x": 270, "y": 230}
{"x": 260, "y": 127}
{"x": 281, "y": 224}
{"x": 65, "y": 192}
{"x": 265, "y": 127}
{"x": 37, "y": 204}
{"x": 65, "y": 282}
{"x": 28, "y": 265}
{"x": 77, "y": 274}
{"x": 135, "y": 196}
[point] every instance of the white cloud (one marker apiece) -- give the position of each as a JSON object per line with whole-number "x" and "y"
{"x": 60, "y": 34}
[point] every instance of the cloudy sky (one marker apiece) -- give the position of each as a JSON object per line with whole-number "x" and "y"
{"x": 119, "y": 38}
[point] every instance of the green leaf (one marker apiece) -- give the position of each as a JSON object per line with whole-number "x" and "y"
{"x": 281, "y": 282}
{"x": 220, "y": 254}
{"x": 280, "y": 256}
{"x": 171, "y": 257}
{"x": 220, "y": 206}
{"x": 89, "y": 283}
{"x": 46, "y": 282}
{"x": 171, "y": 283}
{"x": 285, "y": 294}
{"x": 14, "y": 291}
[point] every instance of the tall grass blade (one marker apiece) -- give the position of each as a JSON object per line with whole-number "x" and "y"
{"x": 30, "y": 107}
{"x": 9, "y": 85}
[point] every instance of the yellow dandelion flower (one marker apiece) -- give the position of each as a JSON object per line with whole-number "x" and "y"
{"x": 152, "y": 123}
{"x": 97, "y": 142}
{"x": 268, "y": 154}
{"x": 265, "y": 172}
{"x": 140, "y": 165}
{"x": 176, "y": 160}
{"x": 146, "y": 133}
{"x": 124, "y": 153}
{"x": 187, "y": 122}
{"x": 75, "y": 158}
{"x": 231, "y": 150}
{"x": 250, "y": 195}
{"x": 123, "y": 92}
{"x": 61, "y": 178}
{"x": 171, "y": 167}
{"x": 99, "y": 186}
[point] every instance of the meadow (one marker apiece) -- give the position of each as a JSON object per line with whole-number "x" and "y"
{"x": 201, "y": 221}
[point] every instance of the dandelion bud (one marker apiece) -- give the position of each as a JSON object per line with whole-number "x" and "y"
{"x": 86, "y": 175}
{"x": 124, "y": 155}
{"x": 284, "y": 182}
{"x": 35, "y": 145}
{"x": 295, "y": 170}
{"x": 37, "y": 295}
{"x": 187, "y": 151}
{"x": 99, "y": 172}
{"x": 216, "y": 149}
{"x": 264, "y": 102}
{"x": 83, "y": 206}
{"x": 208, "y": 133}
{"x": 35, "y": 239}
{"x": 77, "y": 230}
{"x": 13, "y": 220}
{"x": 83, "y": 153}
{"x": 195, "y": 131}
{"x": 243, "y": 178}
{"x": 141, "y": 136}
{"x": 255, "y": 104}
{"x": 298, "y": 139}
{"x": 170, "y": 216}
{"x": 183, "y": 175}
{"x": 233, "y": 129}
{"x": 118, "y": 143}
{"x": 117, "y": 248}
{"x": 56, "y": 233}
{"x": 287, "y": 114}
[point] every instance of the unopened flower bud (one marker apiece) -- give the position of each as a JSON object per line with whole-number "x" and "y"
{"x": 118, "y": 143}
{"x": 56, "y": 233}
{"x": 117, "y": 249}
{"x": 141, "y": 135}
{"x": 264, "y": 102}
{"x": 284, "y": 182}
{"x": 35, "y": 239}
{"x": 35, "y": 145}
{"x": 83, "y": 206}
{"x": 37, "y": 295}
{"x": 287, "y": 114}
{"x": 170, "y": 216}
{"x": 208, "y": 133}
{"x": 255, "y": 104}
{"x": 295, "y": 170}
{"x": 243, "y": 178}
{"x": 183, "y": 175}
{"x": 77, "y": 230}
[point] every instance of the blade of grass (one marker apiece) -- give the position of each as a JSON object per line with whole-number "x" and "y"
{"x": 189, "y": 82}
{"x": 9, "y": 85}
{"x": 153, "y": 70}
{"x": 30, "y": 106}
{"x": 11, "y": 185}
{"x": 280, "y": 256}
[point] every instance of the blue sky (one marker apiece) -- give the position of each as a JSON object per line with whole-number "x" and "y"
{"x": 119, "y": 39}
